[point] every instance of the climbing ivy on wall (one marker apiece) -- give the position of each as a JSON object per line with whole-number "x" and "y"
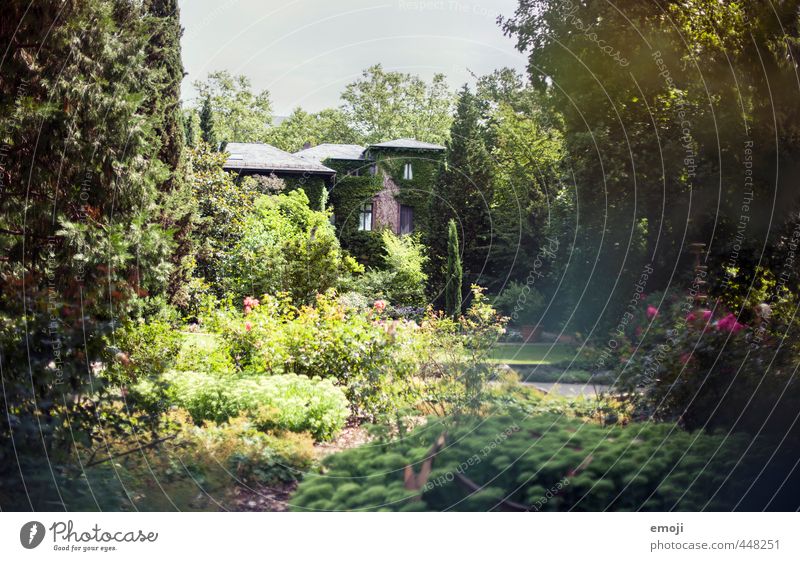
{"x": 314, "y": 186}
{"x": 414, "y": 192}
{"x": 350, "y": 192}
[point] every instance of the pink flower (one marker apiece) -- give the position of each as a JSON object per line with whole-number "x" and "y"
{"x": 705, "y": 315}
{"x": 379, "y": 305}
{"x": 250, "y": 303}
{"x": 248, "y": 326}
{"x": 685, "y": 357}
{"x": 730, "y": 324}
{"x": 652, "y": 312}
{"x": 638, "y": 331}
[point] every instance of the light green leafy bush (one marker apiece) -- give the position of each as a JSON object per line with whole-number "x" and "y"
{"x": 137, "y": 356}
{"x": 285, "y": 246}
{"x": 402, "y": 279}
{"x": 282, "y": 402}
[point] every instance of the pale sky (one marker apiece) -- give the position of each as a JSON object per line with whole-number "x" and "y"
{"x": 305, "y": 51}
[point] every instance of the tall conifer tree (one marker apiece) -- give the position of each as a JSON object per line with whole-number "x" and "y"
{"x": 464, "y": 191}
{"x": 455, "y": 277}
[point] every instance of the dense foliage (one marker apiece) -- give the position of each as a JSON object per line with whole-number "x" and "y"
{"x": 709, "y": 368}
{"x": 273, "y": 403}
{"x": 230, "y": 111}
{"x": 677, "y": 155}
{"x": 634, "y": 193}
{"x": 462, "y": 192}
{"x": 94, "y": 216}
{"x": 455, "y": 276}
{"x": 384, "y": 365}
{"x": 401, "y": 279}
{"x": 379, "y": 106}
{"x": 285, "y": 247}
{"x": 385, "y": 105}
{"x": 544, "y": 463}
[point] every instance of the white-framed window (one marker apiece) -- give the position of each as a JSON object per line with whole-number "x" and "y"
{"x": 408, "y": 171}
{"x": 365, "y": 217}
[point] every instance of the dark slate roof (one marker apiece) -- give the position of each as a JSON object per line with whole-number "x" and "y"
{"x": 408, "y": 144}
{"x": 263, "y": 157}
{"x": 332, "y": 152}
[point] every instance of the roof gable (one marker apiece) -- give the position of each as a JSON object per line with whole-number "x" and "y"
{"x": 407, "y": 144}
{"x": 332, "y": 152}
{"x": 264, "y": 157}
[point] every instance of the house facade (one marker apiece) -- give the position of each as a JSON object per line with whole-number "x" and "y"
{"x": 368, "y": 188}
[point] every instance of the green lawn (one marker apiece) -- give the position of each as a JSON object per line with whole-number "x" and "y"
{"x": 543, "y": 362}
{"x": 532, "y": 354}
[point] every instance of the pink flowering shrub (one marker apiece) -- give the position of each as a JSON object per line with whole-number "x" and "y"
{"x": 730, "y": 324}
{"x": 368, "y": 357}
{"x": 250, "y": 303}
{"x": 706, "y": 366}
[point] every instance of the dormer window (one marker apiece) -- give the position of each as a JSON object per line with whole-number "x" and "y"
{"x": 408, "y": 172}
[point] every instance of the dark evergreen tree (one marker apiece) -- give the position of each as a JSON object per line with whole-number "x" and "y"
{"x": 189, "y": 137}
{"x": 207, "y": 123}
{"x": 452, "y": 289}
{"x": 178, "y": 207}
{"x": 90, "y": 209}
{"x": 463, "y": 191}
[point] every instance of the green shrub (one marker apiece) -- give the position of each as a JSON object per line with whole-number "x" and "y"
{"x": 284, "y": 402}
{"x": 204, "y": 352}
{"x": 140, "y": 348}
{"x": 370, "y": 358}
{"x": 254, "y": 456}
{"x": 402, "y": 278}
{"x": 199, "y": 469}
{"x": 545, "y": 462}
{"x": 522, "y": 303}
{"x": 138, "y": 355}
{"x": 285, "y": 246}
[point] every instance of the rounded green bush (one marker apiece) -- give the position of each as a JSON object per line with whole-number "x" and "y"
{"x": 543, "y": 463}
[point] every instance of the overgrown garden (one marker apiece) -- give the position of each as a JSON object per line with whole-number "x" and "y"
{"x": 173, "y": 336}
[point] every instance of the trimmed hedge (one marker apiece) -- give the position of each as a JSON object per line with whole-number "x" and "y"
{"x": 544, "y": 463}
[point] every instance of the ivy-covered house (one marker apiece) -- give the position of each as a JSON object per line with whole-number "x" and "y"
{"x": 385, "y": 185}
